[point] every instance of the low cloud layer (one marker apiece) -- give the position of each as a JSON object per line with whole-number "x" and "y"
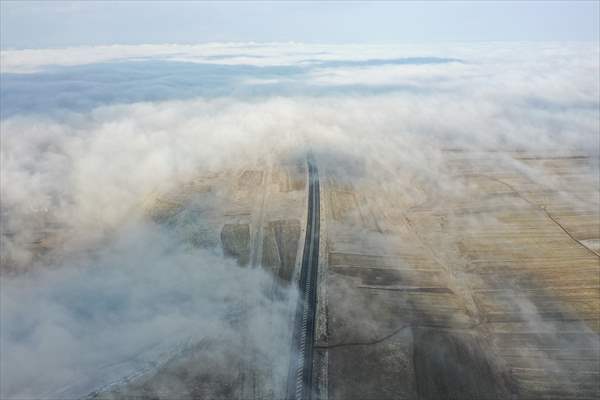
{"x": 85, "y": 143}
{"x": 126, "y": 308}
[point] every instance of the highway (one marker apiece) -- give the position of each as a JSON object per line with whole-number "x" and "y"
{"x": 300, "y": 372}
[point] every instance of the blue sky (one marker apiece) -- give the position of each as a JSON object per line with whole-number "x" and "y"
{"x": 57, "y": 24}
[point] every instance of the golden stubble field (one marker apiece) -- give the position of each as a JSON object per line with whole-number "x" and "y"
{"x": 255, "y": 215}
{"x": 481, "y": 284}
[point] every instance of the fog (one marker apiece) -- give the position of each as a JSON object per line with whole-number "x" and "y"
{"x": 89, "y": 134}
{"x": 127, "y": 307}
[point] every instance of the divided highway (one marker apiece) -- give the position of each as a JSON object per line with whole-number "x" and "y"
{"x": 300, "y": 373}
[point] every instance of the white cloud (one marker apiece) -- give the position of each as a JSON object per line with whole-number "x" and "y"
{"x": 69, "y": 331}
{"x": 88, "y": 169}
{"x": 384, "y": 75}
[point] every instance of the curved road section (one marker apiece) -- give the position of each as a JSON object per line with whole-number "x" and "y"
{"x": 300, "y": 373}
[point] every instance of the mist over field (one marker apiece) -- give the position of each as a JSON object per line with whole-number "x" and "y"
{"x": 90, "y": 134}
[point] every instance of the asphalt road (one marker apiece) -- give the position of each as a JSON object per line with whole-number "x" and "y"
{"x": 300, "y": 372}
